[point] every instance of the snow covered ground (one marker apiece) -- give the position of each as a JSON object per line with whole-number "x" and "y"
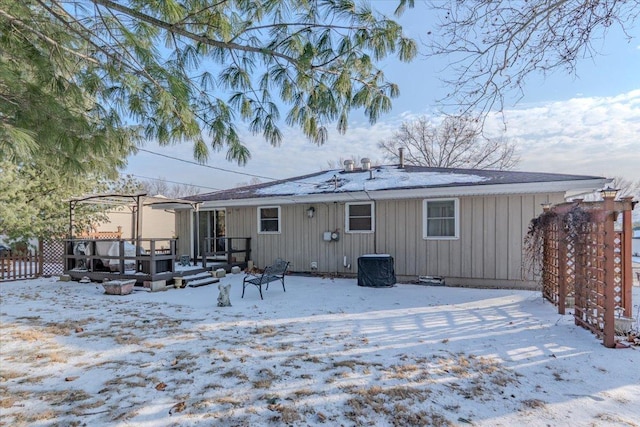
{"x": 326, "y": 352}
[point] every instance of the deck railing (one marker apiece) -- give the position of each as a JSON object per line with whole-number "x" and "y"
{"x": 122, "y": 256}
{"x": 231, "y": 250}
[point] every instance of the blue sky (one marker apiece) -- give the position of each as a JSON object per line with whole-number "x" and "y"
{"x": 584, "y": 124}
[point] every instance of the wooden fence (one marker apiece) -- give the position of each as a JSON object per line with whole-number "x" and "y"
{"x": 45, "y": 260}
{"x": 20, "y": 266}
{"x": 95, "y": 234}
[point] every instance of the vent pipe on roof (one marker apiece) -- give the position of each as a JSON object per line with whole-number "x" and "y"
{"x": 366, "y": 163}
{"x": 401, "y": 155}
{"x": 348, "y": 165}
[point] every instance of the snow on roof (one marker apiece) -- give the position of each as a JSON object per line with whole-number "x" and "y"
{"x": 380, "y": 178}
{"x": 391, "y": 177}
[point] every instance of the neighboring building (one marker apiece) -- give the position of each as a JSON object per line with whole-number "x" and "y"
{"x": 465, "y": 225}
{"x": 635, "y": 243}
{"x": 156, "y": 223}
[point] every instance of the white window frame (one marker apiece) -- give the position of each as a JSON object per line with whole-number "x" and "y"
{"x": 259, "y": 210}
{"x": 456, "y": 213}
{"x": 373, "y": 217}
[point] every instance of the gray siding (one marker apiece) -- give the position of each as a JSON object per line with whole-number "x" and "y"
{"x": 183, "y": 231}
{"x": 490, "y": 246}
{"x": 487, "y": 252}
{"x": 301, "y": 238}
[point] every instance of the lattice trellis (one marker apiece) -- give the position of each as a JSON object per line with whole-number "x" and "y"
{"x": 590, "y": 275}
{"x": 570, "y": 267}
{"x": 551, "y": 263}
{"x": 577, "y": 257}
{"x": 559, "y": 263}
{"x": 52, "y": 257}
{"x": 619, "y": 271}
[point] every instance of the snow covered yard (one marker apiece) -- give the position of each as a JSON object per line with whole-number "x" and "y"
{"x": 326, "y": 352}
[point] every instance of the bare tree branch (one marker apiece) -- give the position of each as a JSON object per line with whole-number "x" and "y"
{"x": 494, "y": 46}
{"x": 457, "y": 142}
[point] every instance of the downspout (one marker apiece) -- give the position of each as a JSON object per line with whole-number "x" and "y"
{"x": 72, "y": 208}
{"x": 134, "y": 215}
{"x": 375, "y": 229}
{"x": 196, "y": 227}
{"x": 336, "y": 222}
{"x": 138, "y": 225}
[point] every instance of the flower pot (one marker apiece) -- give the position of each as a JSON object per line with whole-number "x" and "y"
{"x": 119, "y": 287}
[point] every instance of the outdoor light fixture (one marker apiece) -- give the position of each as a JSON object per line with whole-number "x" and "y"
{"x": 311, "y": 211}
{"x": 546, "y": 206}
{"x": 609, "y": 193}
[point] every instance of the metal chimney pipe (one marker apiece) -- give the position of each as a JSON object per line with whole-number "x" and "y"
{"x": 366, "y": 163}
{"x": 401, "y": 155}
{"x": 348, "y": 165}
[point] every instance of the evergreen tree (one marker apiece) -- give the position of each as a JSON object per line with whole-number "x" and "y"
{"x": 82, "y": 78}
{"x": 83, "y": 82}
{"x": 34, "y": 201}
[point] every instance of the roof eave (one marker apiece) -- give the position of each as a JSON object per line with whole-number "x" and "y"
{"x": 175, "y": 204}
{"x": 412, "y": 193}
{"x": 494, "y": 189}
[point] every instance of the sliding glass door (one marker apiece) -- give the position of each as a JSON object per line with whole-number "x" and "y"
{"x": 210, "y": 230}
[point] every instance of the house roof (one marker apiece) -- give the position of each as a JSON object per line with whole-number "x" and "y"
{"x": 387, "y": 182}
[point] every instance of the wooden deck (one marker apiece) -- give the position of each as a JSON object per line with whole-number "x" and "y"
{"x": 118, "y": 259}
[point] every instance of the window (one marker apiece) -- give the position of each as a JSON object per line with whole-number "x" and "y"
{"x": 441, "y": 219}
{"x": 269, "y": 219}
{"x": 359, "y": 217}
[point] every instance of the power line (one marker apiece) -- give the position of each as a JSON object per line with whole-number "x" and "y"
{"x": 226, "y": 170}
{"x": 191, "y": 162}
{"x": 176, "y": 182}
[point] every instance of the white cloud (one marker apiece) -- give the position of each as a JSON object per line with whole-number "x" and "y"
{"x": 598, "y": 135}
{"x": 585, "y": 135}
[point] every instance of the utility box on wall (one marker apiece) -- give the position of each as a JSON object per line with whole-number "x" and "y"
{"x": 329, "y": 236}
{"x": 376, "y": 271}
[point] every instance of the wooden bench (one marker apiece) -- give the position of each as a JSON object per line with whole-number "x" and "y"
{"x": 270, "y": 274}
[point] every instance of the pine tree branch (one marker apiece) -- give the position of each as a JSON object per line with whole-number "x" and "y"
{"x": 177, "y": 29}
{"x": 24, "y": 26}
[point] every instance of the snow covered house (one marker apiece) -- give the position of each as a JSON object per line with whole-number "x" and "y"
{"x": 464, "y": 225}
